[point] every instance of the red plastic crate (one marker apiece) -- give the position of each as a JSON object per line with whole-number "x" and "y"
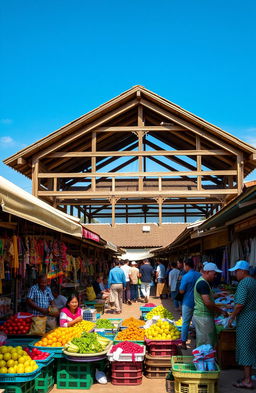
{"x": 126, "y": 381}
{"x": 126, "y": 374}
{"x": 162, "y": 348}
{"x": 126, "y": 366}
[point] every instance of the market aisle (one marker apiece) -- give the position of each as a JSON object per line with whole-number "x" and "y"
{"x": 155, "y": 385}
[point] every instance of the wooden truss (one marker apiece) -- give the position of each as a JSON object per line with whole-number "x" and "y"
{"x": 198, "y": 166}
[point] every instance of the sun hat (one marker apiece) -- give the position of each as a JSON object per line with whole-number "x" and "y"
{"x": 243, "y": 265}
{"x": 208, "y": 267}
{"x": 133, "y": 263}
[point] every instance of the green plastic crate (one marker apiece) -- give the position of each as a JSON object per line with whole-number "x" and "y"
{"x": 74, "y": 375}
{"x": 45, "y": 380}
{"x": 24, "y": 387}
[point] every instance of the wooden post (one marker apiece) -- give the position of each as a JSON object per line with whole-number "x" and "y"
{"x": 160, "y": 213}
{"x": 198, "y": 162}
{"x": 113, "y": 203}
{"x": 35, "y": 171}
{"x": 240, "y": 173}
{"x": 140, "y": 144}
{"x": 126, "y": 214}
{"x": 185, "y": 213}
{"x": 93, "y": 160}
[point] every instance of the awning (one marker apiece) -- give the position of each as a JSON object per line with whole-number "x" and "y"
{"x": 137, "y": 254}
{"x": 16, "y": 201}
{"x": 90, "y": 235}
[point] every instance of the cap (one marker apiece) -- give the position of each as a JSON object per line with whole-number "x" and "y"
{"x": 243, "y": 265}
{"x": 204, "y": 263}
{"x": 211, "y": 267}
{"x": 133, "y": 263}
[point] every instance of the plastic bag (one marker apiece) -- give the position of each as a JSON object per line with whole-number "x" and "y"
{"x": 100, "y": 377}
{"x": 38, "y": 326}
{"x": 54, "y": 311}
{"x": 90, "y": 293}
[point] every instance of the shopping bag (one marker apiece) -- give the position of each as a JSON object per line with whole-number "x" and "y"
{"x": 38, "y": 326}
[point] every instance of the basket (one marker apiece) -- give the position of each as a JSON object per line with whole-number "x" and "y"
{"x": 115, "y": 321}
{"x": 26, "y": 387}
{"x": 157, "y": 367}
{"x": 126, "y": 366}
{"x": 90, "y": 315}
{"x": 136, "y": 380}
{"x": 127, "y": 357}
{"x": 162, "y": 347}
{"x": 73, "y": 375}
{"x": 45, "y": 380}
{"x": 144, "y": 311}
{"x": 87, "y": 357}
{"x": 13, "y": 378}
{"x": 190, "y": 380}
{"x": 107, "y": 334}
{"x": 47, "y": 361}
{"x": 57, "y": 351}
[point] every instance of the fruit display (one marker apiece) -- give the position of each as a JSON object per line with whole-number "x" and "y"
{"x": 149, "y": 305}
{"x": 13, "y": 360}
{"x": 87, "y": 343}
{"x": 160, "y": 311}
{"x": 128, "y": 347}
{"x": 132, "y": 333}
{"x": 104, "y": 324}
{"x": 179, "y": 322}
{"x": 61, "y": 335}
{"x": 36, "y": 354}
{"x": 15, "y": 325}
{"x": 162, "y": 330}
{"x": 132, "y": 322}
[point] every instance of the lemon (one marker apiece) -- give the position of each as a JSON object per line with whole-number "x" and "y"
{"x": 10, "y": 363}
{"x": 1, "y": 356}
{"x": 3, "y": 370}
{"x": 20, "y": 369}
{"x": 2, "y": 363}
{"x": 7, "y": 356}
{"x": 28, "y": 369}
{"x": 15, "y": 355}
{"x": 11, "y": 370}
{"x": 22, "y": 360}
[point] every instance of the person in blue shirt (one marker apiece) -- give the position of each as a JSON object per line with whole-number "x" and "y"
{"x": 187, "y": 289}
{"x": 117, "y": 283}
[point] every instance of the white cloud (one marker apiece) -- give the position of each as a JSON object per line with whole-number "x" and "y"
{"x": 6, "y": 121}
{"x": 6, "y": 141}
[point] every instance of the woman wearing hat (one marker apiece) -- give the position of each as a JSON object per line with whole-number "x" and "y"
{"x": 245, "y": 315}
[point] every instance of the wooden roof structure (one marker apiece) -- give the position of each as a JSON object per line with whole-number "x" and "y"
{"x": 89, "y": 163}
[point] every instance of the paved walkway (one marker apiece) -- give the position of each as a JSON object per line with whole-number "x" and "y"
{"x": 157, "y": 385}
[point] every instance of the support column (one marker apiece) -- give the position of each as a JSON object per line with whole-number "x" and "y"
{"x": 140, "y": 144}
{"x": 93, "y": 160}
{"x": 199, "y": 163}
{"x": 240, "y": 173}
{"x": 113, "y": 201}
{"x": 35, "y": 183}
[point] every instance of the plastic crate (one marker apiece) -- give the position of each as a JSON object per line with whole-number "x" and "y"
{"x": 47, "y": 361}
{"x": 26, "y": 387}
{"x": 126, "y": 380}
{"x": 126, "y": 374}
{"x": 90, "y": 315}
{"x": 74, "y": 375}
{"x": 14, "y": 378}
{"x": 106, "y": 334}
{"x": 157, "y": 367}
{"x": 57, "y": 351}
{"x": 162, "y": 347}
{"x": 189, "y": 380}
{"x": 126, "y": 366}
{"x": 45, "y": 381}
{"x": 115, "y": 321}
{"x": 127, "y": 357}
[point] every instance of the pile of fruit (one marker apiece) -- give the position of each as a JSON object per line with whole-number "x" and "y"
{"x": 88, "y": 343}
{"x": 15, "y": 325}
{"x": 13, "y": 360}
{"x": 128, "y": 347}
{"x": 36, "y": 354}
{"x": 132, "y": 333}
{"x": 104, "y": 324}
{"x": 179, "y": 322}
{"x": 132, "y": 322}
{"x": 149, "y": 305}
{"x": 61, "y": 336}
{"x": 162, "y": 330}
{"x": 161, "y": 311}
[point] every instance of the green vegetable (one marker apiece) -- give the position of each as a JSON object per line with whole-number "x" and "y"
{"x": 88, "y": 343}
{"x": 104, "y": 324}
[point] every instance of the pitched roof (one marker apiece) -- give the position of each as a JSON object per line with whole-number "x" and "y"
{"x": 123, "y": 99}
{"x": 132, "y": 235}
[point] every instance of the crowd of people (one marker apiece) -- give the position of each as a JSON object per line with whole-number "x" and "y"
{"x": 190, "y": 291}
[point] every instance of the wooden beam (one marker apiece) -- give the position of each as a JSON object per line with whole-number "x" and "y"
{"x": 198, "y": 162}
{"x": 139, "y": 128}
{"x": 8, "y": 225}
{"x": 137, "y": 174}
{"x": 93, "y": 160}
{"x": 35, "y": 170}
{"x": 240, "y": 173}
{"x": 86, "y": 129}
{"x": 21, "y": 161}
{"x": 145, "y": 202}
{"x": 189, "y": 126}
{"x": 122, "y": 153}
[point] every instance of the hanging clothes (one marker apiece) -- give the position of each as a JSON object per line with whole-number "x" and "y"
{"x": 236, "y": 252}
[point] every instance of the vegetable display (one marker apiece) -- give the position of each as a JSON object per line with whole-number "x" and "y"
{"x": 13, "y": 360}
{"x": 104, "y": 324}
{"x": 131, "y": 333}
{"x": 61, "y": 336}
{"x": 161, "y": 311}
{"x": 128, "y": 347}
{"x": 15, "y": 325}
{"x": 133, "y": 322}
{"x": 88, "y": 343}
{"x": 162, "y": 330}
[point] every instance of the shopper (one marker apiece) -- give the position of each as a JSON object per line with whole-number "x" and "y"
{"x": 146, "y": 271}
{"x": 127, "y": 293}
{"x": 59, "y": 300}
{"x": 187, "y": 290}
{"x": 72, "y": 313}
{"x": 40, "y": 298}
{"x": 173, "y": 280}
{"x": 245, "y": 315}
{"x": 117, "y": 284}
{"x": 160, "y": 278}
{"x": 205, "y": 307}
{"x": 134, "y": 277}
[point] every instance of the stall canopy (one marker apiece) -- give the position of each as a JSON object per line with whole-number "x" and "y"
{"x": 16, "y": 201}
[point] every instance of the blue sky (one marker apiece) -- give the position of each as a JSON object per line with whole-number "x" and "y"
{"x": 62, "y": 58}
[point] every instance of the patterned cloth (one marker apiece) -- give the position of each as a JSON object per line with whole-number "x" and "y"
{"x": 246, "y": 323}
{"x": 42, "y": 299}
